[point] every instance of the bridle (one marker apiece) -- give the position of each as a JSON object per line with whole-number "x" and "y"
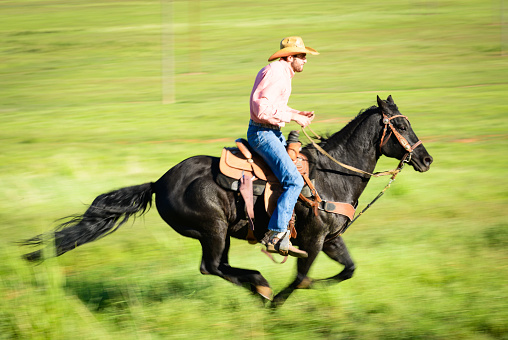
{"x": 387, "y": 121}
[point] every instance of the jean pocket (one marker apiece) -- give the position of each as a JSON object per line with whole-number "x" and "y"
{"x": 255, "y": 138}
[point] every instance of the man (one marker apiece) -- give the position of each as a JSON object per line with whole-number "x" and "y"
{"x": 269, "y": 112}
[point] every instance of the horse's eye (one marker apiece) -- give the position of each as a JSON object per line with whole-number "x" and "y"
{"x": 402, "y": 128}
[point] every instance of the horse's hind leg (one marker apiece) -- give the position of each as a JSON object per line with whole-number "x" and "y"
{"x": 215, "y": 262}
{"x": 336, "y": 249}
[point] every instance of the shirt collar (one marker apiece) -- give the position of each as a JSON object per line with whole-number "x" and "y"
{"x": 288, "y": 68}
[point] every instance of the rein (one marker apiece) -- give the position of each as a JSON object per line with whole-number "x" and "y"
{"x": 406, "y": 159}
{"x": 349, "y": 167}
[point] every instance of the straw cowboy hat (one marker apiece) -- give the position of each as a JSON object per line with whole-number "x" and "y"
{"x": 291, "y": 46}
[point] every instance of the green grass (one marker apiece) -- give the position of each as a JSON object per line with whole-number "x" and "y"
{"x": 82, "y": 114}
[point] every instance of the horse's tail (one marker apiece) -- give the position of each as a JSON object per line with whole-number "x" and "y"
{"x": 106, "y": 214}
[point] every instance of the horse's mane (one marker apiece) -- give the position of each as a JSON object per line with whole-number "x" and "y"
{"x": 330, "y": 141}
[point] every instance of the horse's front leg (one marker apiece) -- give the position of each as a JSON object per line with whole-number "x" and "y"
{"x": 336, "y": 249}
{"x": 313, "y": 247}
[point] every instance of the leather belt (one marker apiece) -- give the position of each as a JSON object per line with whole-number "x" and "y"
{"x": 263, "y": 125}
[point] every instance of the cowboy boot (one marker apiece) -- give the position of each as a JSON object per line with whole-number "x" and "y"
{"x": 278, "y": 242}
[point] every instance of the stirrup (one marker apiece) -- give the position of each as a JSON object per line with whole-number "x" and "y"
{"x": 283, "y": 246}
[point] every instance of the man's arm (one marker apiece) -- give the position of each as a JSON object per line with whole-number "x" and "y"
{"x": 303, "y": 118}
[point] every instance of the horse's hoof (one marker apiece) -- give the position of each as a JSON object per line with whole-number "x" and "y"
{"x": 265, "y": 292}
{"x": 305, "y": 284}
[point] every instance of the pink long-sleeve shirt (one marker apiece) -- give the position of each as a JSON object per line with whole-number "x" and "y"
{"x": 270, "y": 94}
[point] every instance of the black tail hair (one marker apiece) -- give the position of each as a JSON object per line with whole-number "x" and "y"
{"x": 104, "y": 216}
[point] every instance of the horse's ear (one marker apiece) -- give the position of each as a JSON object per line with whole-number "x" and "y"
{"x": 381, "y": 103}
{"x": 390, "y": 99}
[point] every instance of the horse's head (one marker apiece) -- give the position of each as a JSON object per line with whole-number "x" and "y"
{"x": 398, "y": 139}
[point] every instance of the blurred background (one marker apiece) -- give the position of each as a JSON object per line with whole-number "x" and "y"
{"x": 98, "y": 95}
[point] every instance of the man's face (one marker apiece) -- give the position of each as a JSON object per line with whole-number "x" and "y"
{"x": 297, "y": 62}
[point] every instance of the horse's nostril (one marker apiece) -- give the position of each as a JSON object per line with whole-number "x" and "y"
{"x": 428, "y": 160}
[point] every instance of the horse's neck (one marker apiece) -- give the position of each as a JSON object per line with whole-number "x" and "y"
{"x": 357, "y": 149}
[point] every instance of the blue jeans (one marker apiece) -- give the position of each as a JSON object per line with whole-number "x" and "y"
{"x": 270, "y": 144}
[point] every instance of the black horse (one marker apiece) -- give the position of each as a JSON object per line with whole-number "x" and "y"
{"x": 190, "y": 201}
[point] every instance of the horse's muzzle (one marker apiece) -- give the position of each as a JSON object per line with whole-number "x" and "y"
{"x": 421, "y": 164}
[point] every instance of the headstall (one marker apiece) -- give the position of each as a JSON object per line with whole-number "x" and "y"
{"x": 387, "y": 121}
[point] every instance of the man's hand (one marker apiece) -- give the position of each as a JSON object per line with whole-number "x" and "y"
{"x": 303, "y": 118}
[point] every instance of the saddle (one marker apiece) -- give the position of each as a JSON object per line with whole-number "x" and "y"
{"x": 241, "y": 169}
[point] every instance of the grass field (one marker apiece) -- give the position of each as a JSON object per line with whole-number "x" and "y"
{"x": 82, "y": 113}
